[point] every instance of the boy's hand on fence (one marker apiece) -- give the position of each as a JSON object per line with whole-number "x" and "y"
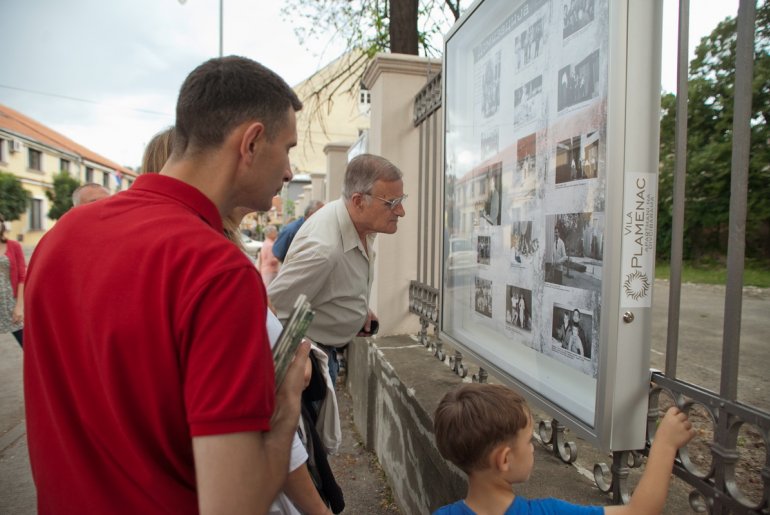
{"x": 675, "y": 429}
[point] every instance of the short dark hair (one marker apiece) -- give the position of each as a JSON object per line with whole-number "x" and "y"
{"x": 224, "y": 92}
{"x": 471, "y": 420}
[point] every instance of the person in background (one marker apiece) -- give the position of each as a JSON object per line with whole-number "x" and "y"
{"x": 157, "y": 151}
{"x": 165, "y": 357}
{"x": 331, "y": 260}
{"x": 268, "y": 264}
{"x": 13, "y": 271}
{"x": 289, "y": 231}
{"x": 486, "y": 430}
{"x": 89, "y": 192}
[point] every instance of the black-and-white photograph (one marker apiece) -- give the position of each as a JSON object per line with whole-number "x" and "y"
{"x": 526, "y": 160}
{"x": 574, "y": 253}
{"x": 490, "y": 86}
{"x": 578, "y": 82}
{"x": 576, "y": 14}
{"x": 527, "y": 101}
{"x": 577, "y": 158}
{"x": 493, "y": 202}
{"x": 483, "y": 249}
{"x": 523, "y": 245}
{"x": 529, "y": 45}
{"x": 518, "y": 308}
{"x": 483, "y": 297}
{"x": 572, "y": 330}
{"x": 490, "y": 143}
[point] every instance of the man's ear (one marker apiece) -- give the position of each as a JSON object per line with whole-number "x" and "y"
{"x": 358, "y": 200}
{"x": 253, "y": 135}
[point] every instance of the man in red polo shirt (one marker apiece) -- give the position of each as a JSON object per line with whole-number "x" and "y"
{"x": 148, "y": 375}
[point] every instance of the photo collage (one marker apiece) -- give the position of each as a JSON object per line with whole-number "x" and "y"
{"x": 532, "y": 206}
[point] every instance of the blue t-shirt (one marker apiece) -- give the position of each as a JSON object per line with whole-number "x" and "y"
{"x": 522, "y": 506}
{"x": 285, "y": 237}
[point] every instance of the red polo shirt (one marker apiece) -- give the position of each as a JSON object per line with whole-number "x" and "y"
{"x": 144, "y": 327}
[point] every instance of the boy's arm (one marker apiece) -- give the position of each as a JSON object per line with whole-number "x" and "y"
{"x": 675, "y": 431}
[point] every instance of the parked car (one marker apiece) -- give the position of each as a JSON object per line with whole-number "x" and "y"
{"x": 462, "y": 256}
{"x": 252, "y": 246}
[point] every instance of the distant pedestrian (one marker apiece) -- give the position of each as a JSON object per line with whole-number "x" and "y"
{"x": 268, "y": 264}
{"x": 12, "y": 274}
{"x": 89, "y": 192}
{"x": 286, "y": 236}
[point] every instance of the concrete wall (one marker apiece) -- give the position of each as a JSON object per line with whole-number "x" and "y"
{"x": 396, "y": 385}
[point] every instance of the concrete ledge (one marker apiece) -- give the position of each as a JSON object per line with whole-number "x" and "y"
{"x": 396, "y": 385}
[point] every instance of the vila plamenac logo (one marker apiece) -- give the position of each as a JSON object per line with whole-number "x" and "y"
{"x": 638, "y": 255}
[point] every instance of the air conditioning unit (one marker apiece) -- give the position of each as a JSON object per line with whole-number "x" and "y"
{"x": 15, "y": 145}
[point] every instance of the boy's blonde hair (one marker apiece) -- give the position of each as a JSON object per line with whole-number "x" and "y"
{"x": 473, "y": 419}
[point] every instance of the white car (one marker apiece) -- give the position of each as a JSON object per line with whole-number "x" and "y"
{"x": 462, "y": 256}
{"x": 252, "y": 246}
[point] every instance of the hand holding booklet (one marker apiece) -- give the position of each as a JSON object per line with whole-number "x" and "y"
{"x": 291, "y": 336}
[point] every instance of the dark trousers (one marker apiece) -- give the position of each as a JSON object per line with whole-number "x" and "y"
{"x": 19, "y": 335}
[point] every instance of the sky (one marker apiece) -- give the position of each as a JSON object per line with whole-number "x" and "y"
{"x": 106, "y": 73}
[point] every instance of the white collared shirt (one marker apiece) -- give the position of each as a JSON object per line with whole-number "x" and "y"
{"x": 328, "y": 263}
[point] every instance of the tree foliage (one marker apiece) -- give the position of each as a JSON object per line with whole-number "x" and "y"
{"x": 365, "y": 27}
{"x": 373, "y": 26}
{"x": 61, "y": 194}
{"x": 709, "y": 146}
{"x": 13, "y": 197}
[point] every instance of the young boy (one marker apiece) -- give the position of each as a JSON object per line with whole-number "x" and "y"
{"x": 486, "y": 430}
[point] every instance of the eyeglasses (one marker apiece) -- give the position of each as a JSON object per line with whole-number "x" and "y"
{"x": 393, "y": 203}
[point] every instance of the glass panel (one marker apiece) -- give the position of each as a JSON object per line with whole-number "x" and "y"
{"x": 526, "y": 102}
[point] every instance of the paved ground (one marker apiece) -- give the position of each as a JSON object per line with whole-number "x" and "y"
{"x": 359, "y": 475}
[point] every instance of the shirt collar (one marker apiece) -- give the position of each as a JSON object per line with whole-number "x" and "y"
{"x": 350, "y": 239}
{"x": 183, "y": 193}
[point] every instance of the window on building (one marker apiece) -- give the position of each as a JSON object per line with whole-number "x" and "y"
{"x": 35, "y": 159}
{"x": 3, "y": 150}
{"x": 64, "y": 165}
{"x": 89, "y": 174}
{"x": 364, "y": 97}
{"x": 106, "y": 179}
{"x": 36, "y": 214}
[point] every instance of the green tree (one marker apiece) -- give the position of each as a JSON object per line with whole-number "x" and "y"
{"x": 13, "y": 197}
{"x": 709, "y": 146}
{"x": 61, "y": 194}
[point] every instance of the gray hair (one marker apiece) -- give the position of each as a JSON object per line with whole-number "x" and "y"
{"x": 366, "y": 169}
{"x": 79, "y": 190}
{"x": 314, "y": 206}
{"x": 271, "y": 229}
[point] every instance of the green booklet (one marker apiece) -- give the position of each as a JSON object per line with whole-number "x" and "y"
{"x": 291, "y": 336}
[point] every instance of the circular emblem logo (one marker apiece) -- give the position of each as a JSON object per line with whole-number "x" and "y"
{"x": 636, "y": 285}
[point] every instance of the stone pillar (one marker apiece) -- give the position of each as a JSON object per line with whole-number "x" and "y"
{"x": 336, "y": 162}
{"x": 318, "y": 183}
{"x": 394, "y": 80}
{"x": 300, "y": 204}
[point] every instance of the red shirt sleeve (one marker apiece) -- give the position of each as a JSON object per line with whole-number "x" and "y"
{"x": 229, "y": 382}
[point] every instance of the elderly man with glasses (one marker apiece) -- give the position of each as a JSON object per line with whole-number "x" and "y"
{"x": 331, "y": 260}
